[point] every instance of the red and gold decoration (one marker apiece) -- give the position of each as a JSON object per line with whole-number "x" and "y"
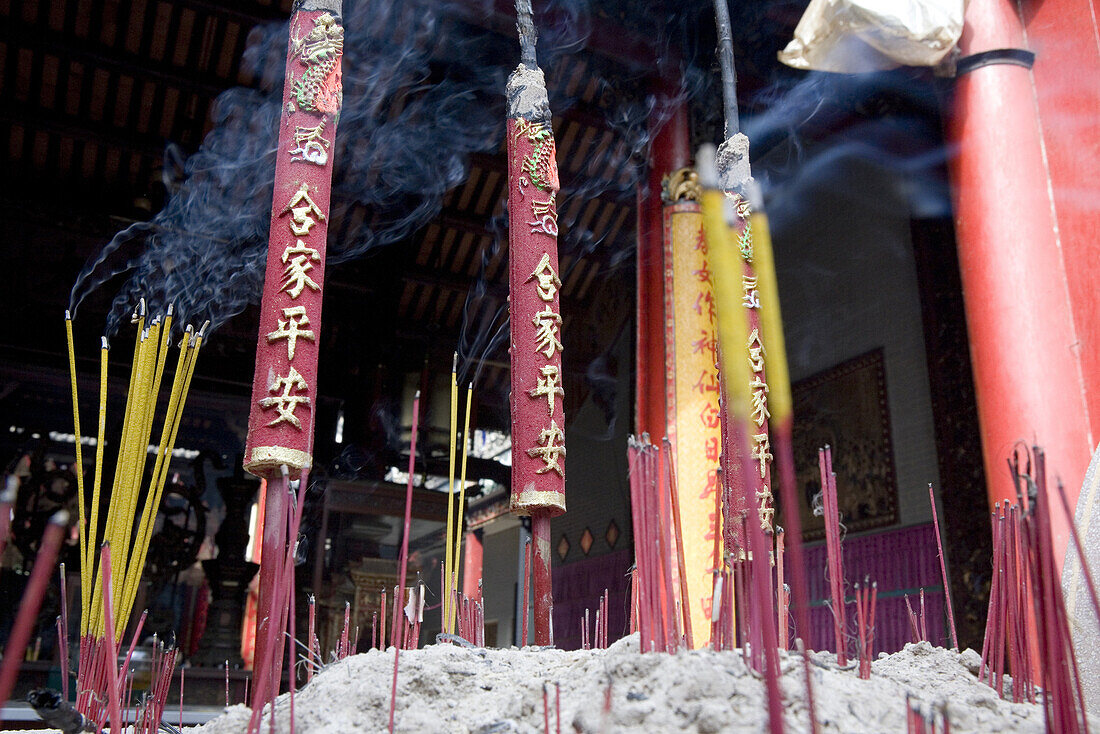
{"x": 537, "y": 402}
{"x": 280, "y": 426}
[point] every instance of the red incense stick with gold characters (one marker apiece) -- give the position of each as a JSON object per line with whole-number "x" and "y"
{"x": 280, "y": 425}
{"x": 538, "y": 413}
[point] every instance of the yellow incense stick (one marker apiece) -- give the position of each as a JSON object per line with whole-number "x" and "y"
{"x": 461, "y": 512}
{"x": 448, "y": 567}
{"x": 771, "y": 320}
{"x": 148, "y": 514}
{"x": 83, "y": 535}
{"x": 156, "y": 353}
{"x": 86, "y": 575}
{"x": 725, "y": 270}
{"x": 156, "y": 487}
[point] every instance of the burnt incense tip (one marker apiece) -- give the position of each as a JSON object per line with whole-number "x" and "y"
{"x": 526, "y": 94}
{"x": 202, "y": 331}
{"x": 68, "y": 316}
{"x": 61, "y": 517}
{"x": 454, "y": 363}
{"x": 103, "y": 343}
{"x": 733, "y": 163}
{"x": 171, "y": 308}
{"x": 284, "y": 470}
{"x": 417, "y": 396}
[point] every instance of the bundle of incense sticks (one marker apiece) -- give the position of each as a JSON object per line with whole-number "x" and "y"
{"x": 471, "y": 618}
{"x": 126, "y": 530}
{"x": 1027, "y": 627}
{"x": 452, "y": 544}
{"x": 866, "y": 601}
{"x": 925, "y": 719}
{"x": 1007, "y": 622}
{"x": 274, "y": 628}
{"x": 656, "y": 597}
{"x": 832, "y": 546}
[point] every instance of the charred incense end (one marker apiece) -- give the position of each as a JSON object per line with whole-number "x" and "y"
{"x": 526, "y": 94}
{"x": 734, "y": 170}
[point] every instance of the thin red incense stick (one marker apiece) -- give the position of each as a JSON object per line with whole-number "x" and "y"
{"x": 526, "y": 587}
{"x": 634, "y": 460}
{"x": 943, "y": 570}
{"x": 923, "y": 618}
{"x": 114, "y": 693}
{"x": 832, "y": 547}
{"x": 31, "y": 601}
{"x": 681, "y": 564}
{"x": 312, "y": 633}
{"x": 344, "y": 633}
{"x": 545, "y": 710}
{"x": 912, "y": 620}
{"x": 382, "y": 616}
{"x": 183, "y": 672}
{"x": 63, "y": 637}
{"x": 404, "y": 558}
{"x": 557, "y": 708}
{"x": 782, "y": 598}
{"x": 987, "y": 640}
{"x": 861, "y": 625}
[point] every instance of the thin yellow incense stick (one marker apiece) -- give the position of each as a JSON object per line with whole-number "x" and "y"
{"x": 83, "y": 536}
{"x": 733, "y": 324}
{"x": 156, "y": 486}
{"x": 87, "y": 570}
{"x": 448, "y": 560}
{"x": 460, "y": 513}
{"x": 166, "y": 429}
{"x": 195, "y": 344}
{"x": 771, "y": 320}
{"x": 136, "y": 448}
{"x": 115, "y": 505}
{"x": 157, "y": 352}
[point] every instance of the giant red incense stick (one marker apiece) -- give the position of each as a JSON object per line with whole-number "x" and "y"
{"x": 538, "y": 413}
{"x": 280, "y": 432}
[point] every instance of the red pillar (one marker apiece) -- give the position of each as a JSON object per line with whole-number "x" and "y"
{"x": 1022, "y": 338}
{"x": 670, "y": 151}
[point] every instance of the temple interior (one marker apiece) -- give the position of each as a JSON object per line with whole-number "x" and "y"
{"x": 130, "y": 127}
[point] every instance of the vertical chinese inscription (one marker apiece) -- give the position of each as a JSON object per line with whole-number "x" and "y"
{"x": 758, "y": 386}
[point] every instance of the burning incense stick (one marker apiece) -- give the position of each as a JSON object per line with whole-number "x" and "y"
{"x": 538, "y": 416}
